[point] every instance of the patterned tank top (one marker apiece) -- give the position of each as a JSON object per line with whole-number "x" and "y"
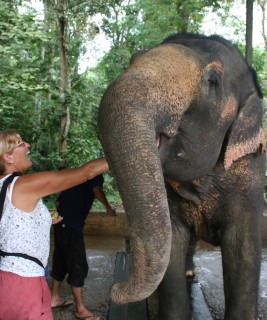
{"x": 24, "y": 232}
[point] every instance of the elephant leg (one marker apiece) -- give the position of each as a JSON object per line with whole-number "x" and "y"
{"x": 241, "y": 256}
{"x": 174, "y": 303}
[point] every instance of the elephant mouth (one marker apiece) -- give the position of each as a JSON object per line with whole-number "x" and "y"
{"x": 158, "y": 142}
{"x": 164, "y": 141}
{"x": 164, "y": 138}
{"x": 161, "y": 139}
{"x": 186, "y": 191}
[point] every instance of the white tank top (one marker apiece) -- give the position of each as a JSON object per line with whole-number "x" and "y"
{"x": 24, "y": 232}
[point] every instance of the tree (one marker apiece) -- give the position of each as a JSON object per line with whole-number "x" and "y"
{"x": 20, "y": 37}
{"x": 141, "y": 24}
{"x": 66, "y": 21}
{"x": 263, "y": 5}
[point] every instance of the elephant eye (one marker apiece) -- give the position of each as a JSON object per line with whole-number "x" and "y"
{"x": 214, "y": 80}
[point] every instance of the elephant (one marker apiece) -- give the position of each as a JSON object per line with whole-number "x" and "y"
{"x": 182, "y": 131}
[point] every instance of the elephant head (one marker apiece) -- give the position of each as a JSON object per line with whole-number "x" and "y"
{"x": 179, "y": 109}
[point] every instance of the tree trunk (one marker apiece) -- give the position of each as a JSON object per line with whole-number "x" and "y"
{"x": 262, "y": 4}
{"x": 249, "y": 31}
{"x": 64, "y": 75}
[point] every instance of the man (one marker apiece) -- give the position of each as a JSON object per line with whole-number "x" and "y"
{"x": 69, "y": 255}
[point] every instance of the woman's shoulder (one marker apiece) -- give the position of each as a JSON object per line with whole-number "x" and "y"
{"x": 4, "y": 176}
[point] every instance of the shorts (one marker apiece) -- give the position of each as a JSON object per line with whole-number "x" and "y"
{"x": 24, "y": 298}
{"x": 69, "y": 257}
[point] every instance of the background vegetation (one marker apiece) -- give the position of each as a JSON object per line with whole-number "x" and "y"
{"x": 54, "y": 105}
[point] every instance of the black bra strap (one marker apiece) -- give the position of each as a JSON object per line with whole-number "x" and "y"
{"x": 21, "y": 255}
{"x": 4, "y": 189}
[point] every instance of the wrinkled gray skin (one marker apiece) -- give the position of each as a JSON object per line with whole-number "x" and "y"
{"x": 182, "y": 132}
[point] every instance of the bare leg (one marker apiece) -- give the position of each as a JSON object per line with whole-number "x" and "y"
{"x": 56, "y": 299}
{"x": 81, "y": 309}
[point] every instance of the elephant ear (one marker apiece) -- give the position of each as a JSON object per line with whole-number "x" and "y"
{"x": 246, "y": 134}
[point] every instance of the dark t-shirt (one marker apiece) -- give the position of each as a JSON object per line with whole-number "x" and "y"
{"x": 76, "y": 202}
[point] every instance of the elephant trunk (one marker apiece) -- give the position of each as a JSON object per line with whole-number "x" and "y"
{"x": 127, "y": 134}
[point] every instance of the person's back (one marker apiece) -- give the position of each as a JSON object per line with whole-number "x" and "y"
{"x": 75, "y": 203}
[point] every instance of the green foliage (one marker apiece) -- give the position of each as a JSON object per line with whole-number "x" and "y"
{"x": 20, "y": 38}
{"x": 115, "y": 62}
{"x": 111, "y": 192}
{"x": 260, "y": 65}
{"x": 83, "y": 143}
{"x": 29, "y": 86}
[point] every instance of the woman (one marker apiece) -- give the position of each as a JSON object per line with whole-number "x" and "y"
{"x": 25, "y": 228}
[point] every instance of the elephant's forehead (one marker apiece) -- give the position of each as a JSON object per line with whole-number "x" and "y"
{"x": 172, "y": 69}
{"x": 168, "y": 61}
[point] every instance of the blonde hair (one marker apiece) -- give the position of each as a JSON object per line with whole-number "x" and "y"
{"x": 8, "y": 140}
